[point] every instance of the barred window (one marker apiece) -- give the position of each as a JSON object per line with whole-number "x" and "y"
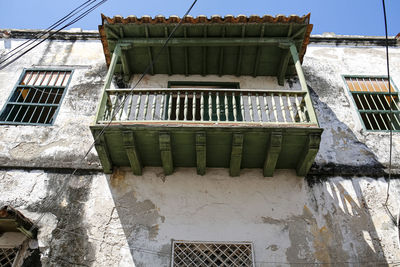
{"x": 373, "y": 101}
{"x": 7, "y": 256}
{"x": 194, "y": 253}
{"x": 36, "y": 98}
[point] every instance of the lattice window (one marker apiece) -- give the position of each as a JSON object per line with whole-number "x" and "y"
{"x": 36, "y": 98}
{"x": 7, "y": 256}
{"x": 373, "y": 101}
{"x": 191, "y": 253}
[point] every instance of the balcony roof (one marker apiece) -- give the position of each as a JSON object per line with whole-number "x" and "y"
{"x": 218, "y": 45}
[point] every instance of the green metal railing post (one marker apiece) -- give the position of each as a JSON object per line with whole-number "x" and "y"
{"x": 104, "y": 97}
{"x": 302, "y": 79}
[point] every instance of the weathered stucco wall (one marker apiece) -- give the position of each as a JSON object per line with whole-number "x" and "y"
{"x": 335, "y": 215}
{"x": 127, "y": 220}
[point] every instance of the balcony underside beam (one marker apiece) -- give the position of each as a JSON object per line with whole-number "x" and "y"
{"x": 132, "y": 152}
{"x": 308, "y": 155}
{"x": 201, "y": 152}
{"x": 273, "y": 151}
{"x": 200, "y": 41}
{"x": 166, "y": 153}
{"x": 236, "y": 154}
{"x": 103, "y": 153}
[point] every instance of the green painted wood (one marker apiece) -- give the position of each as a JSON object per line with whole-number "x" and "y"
{"x": 283, "y": 66}
{"x": 104, "y": 97}
{"x": 236, "y": 154}
{"x": 273, "y": 151}
{"x": 125, "y": 66}
{"x": 132, "y": 153}
{"x": 201, "y": 153}
{"x": 182, "y": 147}
{"x": 309, "y": 152}
{"x": 103, "y": 153}
{"x": 304, "y": 87}
{"x": 166, "y": 153}
{"x": 209, "y": 41}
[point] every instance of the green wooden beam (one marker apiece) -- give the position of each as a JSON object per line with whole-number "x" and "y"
{"x": 209, "y": 41}
{"x": 103, "y": 153}
{"x": 308, "y": 155}
{"x": 273, "y": 151}
{"x": 283, "y": 66}
{"x": 204, "y": 61}
{"x": 168, "y": 49}
{"x": 125, "y": 66}
{"x": 166, "y": 153}
{"x": 221, "y": 61}
{"x": 302, "y": 79}
{"x": 132, "y": 152}
{"x": 104, "y": 98}
{"x": 236, "y": 154}
{"x": 258, "y": 53}
{"x": 201, "y": 152}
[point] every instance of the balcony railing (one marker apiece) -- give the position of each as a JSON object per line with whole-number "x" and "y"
{"x": 207, "y": 106}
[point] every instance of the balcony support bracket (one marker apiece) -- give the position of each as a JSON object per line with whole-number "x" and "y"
{"x": 201, "y": 152}
{"x": 273, "y": 151}
{"x": 308, "y": 155}
{"x": 236, "y": 154}
{"x": 283, "y": 65}
{"x": 166, "y": 153}
{"x": 131, "y": 152}
{"x": 103, "y": 153}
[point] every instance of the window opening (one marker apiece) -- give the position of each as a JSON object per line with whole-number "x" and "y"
{"x": 7, "y": 256}
{"x": 36, "y": 98}
{"x": 194, "y": 253}
{"x": 372, "y": 99}
{"x": 194, "y": 98}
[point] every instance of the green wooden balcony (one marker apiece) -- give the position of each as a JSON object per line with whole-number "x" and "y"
{"x": 206, "y": 127}
{"x": 203, "y": 127}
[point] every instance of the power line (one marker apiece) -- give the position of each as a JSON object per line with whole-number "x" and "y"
{"x": 116, "y": 111}
{"x": 390, "y": 116}
{"x": 79, "y": 17}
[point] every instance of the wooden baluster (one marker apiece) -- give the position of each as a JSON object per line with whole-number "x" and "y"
{"x": 146, "y": 105}
{"x": 234, "y": 106}
{"x": 209, "y": 106}
{"x": 162, "y": 106}
{"x": 218, "y": 107}
{"x": 258, "y": 108}
{"x": 282, "y": 107}
{"x": 202, "y": 111}
{"x": 185, "y": 107}
{"x": 121, "y": 107}
{"x": 139, "y": 99}
{"x": 169, "y": 106}
{"x": 242, "y": 105}
{"x": 290, "y": 107}
{"x": 266, "y": 107}
{"x": 299, "y": 112}
{"x": 274, "y": 107}
{"x": 114, "y": 106}
{"x": 129, "y": 106}
{"x": 226, "y": 107}
{"x": 178, "y": 104}
{"x": 250, "y": 107}
{"x": 194, "y": 106}
{"x": 153, "y": 108}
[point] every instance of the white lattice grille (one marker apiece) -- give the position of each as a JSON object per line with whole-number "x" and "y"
{"x": 212, "y": 254}
{"x": 7, "y": 256}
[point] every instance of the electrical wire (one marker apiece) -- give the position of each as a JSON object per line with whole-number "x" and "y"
{"x": 96, "y": 138}
{"x": 79, "y": 17}
{"x": 50, "y": 28}
{"x": 390, "y": 116}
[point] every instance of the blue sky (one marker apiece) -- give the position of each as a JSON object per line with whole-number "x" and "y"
{"x": 361, "y": 17}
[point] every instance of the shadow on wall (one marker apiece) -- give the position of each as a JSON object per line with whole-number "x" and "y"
{"x": 69, "y": 244}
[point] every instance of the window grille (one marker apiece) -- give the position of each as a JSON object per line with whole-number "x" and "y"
{"x": 193, "y": 254}
{"x": 36, "y": 98}
{"x": 372, "y": 99}
{"x": 7, "y": 256}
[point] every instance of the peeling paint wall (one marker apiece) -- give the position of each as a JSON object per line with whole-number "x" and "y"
{"x": 335, "y": 216}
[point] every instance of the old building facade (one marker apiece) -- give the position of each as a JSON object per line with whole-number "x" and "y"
{"x": 232, "y": 174}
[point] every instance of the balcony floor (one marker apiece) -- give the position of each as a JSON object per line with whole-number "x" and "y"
{"x": 216, "y": 145}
